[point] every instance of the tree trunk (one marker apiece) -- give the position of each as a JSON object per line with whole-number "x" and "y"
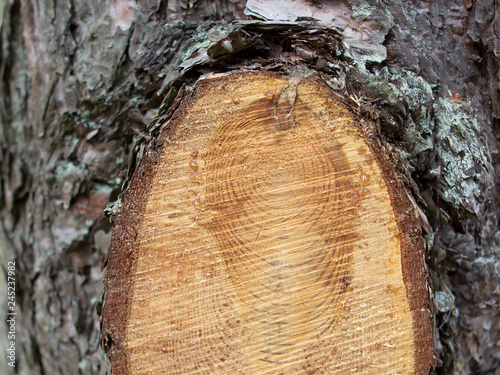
{"x": 81, "y": 83}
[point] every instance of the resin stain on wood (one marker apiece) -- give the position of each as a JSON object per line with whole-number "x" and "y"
{"x": 266, "y": 236}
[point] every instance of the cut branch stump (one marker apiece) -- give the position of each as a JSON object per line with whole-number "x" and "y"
{"x": 265, "y": 232}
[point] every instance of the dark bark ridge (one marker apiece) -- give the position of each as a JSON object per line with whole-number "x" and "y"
{"x": 72, "y": 109}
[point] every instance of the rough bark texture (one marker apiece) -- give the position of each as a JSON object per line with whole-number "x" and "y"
{"x": 81, "y": 81}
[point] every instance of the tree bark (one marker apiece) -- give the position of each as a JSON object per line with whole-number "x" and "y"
{"x": 81, "y": 83}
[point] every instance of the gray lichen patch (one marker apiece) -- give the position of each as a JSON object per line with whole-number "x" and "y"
{"x": 467, "y": 166}
{"x": 198, "y": 46}
{"x": 437, "y": 137}
{"x": 445, "y": 301}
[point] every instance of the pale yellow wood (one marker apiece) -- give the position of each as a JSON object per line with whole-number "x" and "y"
{"x": 269, "y": 243}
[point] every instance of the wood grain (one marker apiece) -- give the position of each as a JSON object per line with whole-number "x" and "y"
{"x": 268, "y": 242}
